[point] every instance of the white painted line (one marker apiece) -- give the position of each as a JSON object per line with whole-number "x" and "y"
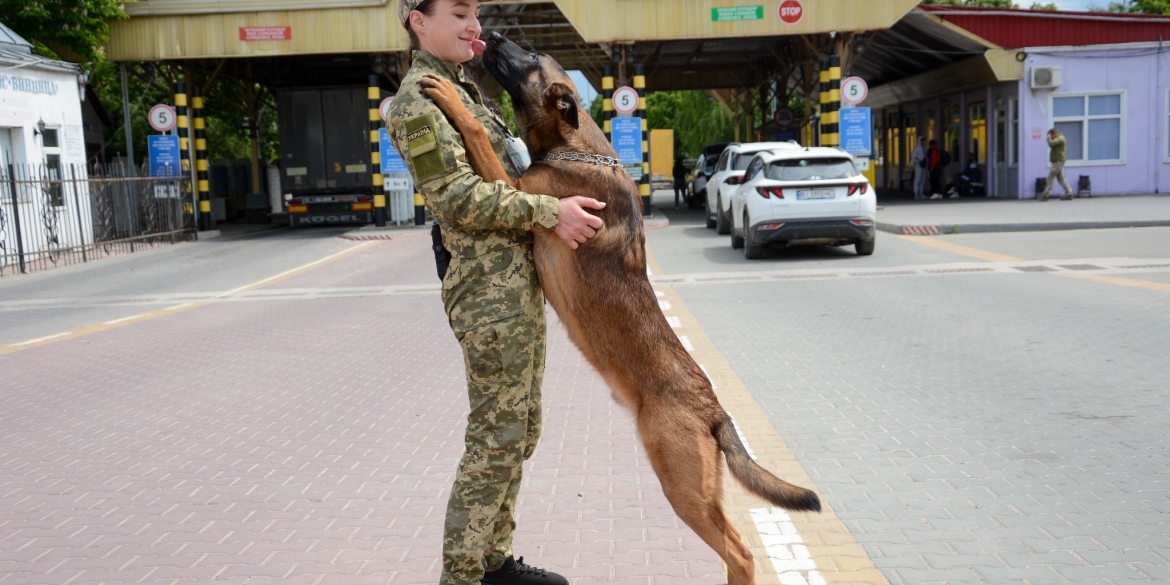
{"x": 40, "y": 339}
{"x": 664, "y": 305}
{"x": 298, "y": 268}
{"x": 125, "y": 319}
{"x": 708, "y": 374}
{"x": 686, "y": 342}
{"x": 659, "y": 294}
{"x": 790, "y": 557}
{"x": 177, "y": 307}
{"x": 675, "y": 322}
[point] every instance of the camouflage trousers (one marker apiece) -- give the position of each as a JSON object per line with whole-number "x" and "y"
{"x": 496, "y": 309}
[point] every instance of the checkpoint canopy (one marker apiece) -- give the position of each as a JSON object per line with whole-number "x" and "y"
{"x": 684, "y": 44}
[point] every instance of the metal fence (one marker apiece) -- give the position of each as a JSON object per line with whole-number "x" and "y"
{"x": 54, "y": 215}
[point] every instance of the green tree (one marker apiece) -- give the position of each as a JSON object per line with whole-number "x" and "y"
{"x": 63, "y": 28}
{"x": 697, "y": 120}
{"x": 1141, "y": 6}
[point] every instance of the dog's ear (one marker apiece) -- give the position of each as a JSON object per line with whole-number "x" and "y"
{"x": 561, "y": 96}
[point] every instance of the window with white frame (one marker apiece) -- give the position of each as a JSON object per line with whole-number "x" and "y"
{"x": 51, "y": 144}
{"x": 1014, "y": 135}
{"x": 1091, "y": 125}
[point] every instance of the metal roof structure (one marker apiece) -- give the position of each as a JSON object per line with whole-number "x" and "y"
{"x": 679, "y": 42}
{"x": 11, "y": 42}
{"x": 1014, "y": 29}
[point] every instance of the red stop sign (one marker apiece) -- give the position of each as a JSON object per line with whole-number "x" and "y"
{"x": 791, "y": 11}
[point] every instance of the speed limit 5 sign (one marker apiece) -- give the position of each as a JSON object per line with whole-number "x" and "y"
{"x": 162, "y": 117}
{"x": 854, "y": 90}
{"x": 625, "y": 100}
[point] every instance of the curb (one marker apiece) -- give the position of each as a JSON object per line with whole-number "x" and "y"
{"x": 367, "y": 234}
{"x": 945, "y": 229}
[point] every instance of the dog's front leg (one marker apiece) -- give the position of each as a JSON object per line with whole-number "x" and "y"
{"x": 475, "y": 139}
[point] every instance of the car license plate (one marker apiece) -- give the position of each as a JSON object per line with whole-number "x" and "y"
{"x": 816, "y": 194}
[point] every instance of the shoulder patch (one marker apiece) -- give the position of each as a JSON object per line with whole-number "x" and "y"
{"x": 421, "y": 135}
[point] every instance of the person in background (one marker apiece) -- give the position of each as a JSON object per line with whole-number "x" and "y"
{"x": 921, "y": 173}
{"x": 934, "y": 166}
{"x": 961, "y": 184}
{"x": 680, "y": 181}
{"x": 1056, "y": 156}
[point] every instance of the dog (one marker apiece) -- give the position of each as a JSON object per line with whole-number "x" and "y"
{"x": 603, "y": 296}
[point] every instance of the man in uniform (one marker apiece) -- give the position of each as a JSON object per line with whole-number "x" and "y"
{"x": 1056, "y": 156}
{"x": 492, "y": 297}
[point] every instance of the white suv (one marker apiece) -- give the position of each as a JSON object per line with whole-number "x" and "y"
{"x": 728, "y": 172}
{"x": 803, "y": 196}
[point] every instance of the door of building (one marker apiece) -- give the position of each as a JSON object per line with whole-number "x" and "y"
{"x": 999, "y": 161}
{"x": 7, "y": 157}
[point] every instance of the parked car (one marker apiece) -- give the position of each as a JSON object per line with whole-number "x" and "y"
{"x": 724, "y": 182}
{"x": 702, "y": 171}
{"x": 803, "y": 196}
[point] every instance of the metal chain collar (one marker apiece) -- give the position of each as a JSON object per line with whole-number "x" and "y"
{"x": 597, "y": 159}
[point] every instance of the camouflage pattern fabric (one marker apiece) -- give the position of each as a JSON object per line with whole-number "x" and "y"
{"x": 495, "y": 307}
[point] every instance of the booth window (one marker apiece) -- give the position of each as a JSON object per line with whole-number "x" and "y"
{"x": 977, "y": 116}
{"x": 52, "y": 174}
{"x": 1091, "y": 125}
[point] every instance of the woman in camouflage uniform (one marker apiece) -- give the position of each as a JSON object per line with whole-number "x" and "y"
{"x": 491, "y": 294}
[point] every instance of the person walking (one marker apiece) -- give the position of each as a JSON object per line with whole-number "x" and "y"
{"x": 494, "y": 303}
{"x": 921, "y": 173}
{"x": 934, "y": 166}
{"x": 1056, "y": 156}
{"x": 680, "y": 181}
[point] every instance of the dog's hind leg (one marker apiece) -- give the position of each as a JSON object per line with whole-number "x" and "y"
{"x": 690, "y": 467}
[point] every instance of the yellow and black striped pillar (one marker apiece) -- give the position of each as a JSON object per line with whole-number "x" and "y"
{"x": 183, "y": 128}
{"x": 203, "y": 183}
{"x": 830, "y": 101}
{"x": 420, "y": 210}
{"x": 374, "y": 95}
{"x": 607, "y": 101}
{"x": 644, "y": 184}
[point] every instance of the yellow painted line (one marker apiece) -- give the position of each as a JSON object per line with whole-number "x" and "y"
{"x": 141, "y": 317}
{"x": 838, "y": 556}
{"x": 651, "y": 263}
{"x": 1131, "y": 282}
{"x": 961, "y": 250}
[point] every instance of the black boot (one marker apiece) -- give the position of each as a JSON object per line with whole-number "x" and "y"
{"x": 515, "y": 572}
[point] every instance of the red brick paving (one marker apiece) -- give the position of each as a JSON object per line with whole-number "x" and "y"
{"x": 307, "y": 441}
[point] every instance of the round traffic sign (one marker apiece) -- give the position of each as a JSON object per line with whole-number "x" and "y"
{"x": 784, "y": 117}
{"x": 854, "y": 90}
{"x": 625, "y": 100}
{"x": 384, "y": 108}
{"x": 791, "y": 11}
{"x": 162, "y": 117}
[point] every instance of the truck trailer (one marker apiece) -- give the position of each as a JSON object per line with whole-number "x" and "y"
{"x": 325, "y": 155}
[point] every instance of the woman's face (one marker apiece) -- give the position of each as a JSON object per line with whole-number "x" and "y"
{"x": 449, "y": 31}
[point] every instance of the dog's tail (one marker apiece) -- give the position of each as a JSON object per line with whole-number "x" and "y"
{"x": 756, "y": 479}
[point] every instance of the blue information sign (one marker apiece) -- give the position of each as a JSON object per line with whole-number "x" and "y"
{"x": 857, "y": 131}
{"x": 627, "y": 140}
{"x": 391, "y": 161}
{"x": 163, "y": 155}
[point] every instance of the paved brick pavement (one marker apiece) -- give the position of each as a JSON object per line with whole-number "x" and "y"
{"x": 1007, "y": 428}
{"x": 303, "y": 441}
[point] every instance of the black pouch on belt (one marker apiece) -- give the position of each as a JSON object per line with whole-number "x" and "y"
{"x": 442, "y": 256}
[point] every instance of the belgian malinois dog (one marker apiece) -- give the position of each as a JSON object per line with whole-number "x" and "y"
{"x": 602, "y": 294}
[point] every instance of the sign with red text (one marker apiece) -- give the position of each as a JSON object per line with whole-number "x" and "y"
{"x": 791, "y": 11}
{"x": 265, "y": 33}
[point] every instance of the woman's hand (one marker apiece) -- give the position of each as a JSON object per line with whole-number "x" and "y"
{"x": 576, "y": 226}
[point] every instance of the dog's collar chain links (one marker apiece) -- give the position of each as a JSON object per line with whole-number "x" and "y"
{"x": 597, "y": 159}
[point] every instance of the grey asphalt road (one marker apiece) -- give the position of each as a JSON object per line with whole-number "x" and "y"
{"x": 977, "y": 408}
{"x": 1000, "y": 424}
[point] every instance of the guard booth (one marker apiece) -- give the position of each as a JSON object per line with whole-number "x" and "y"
{"x": 316, "y": 56}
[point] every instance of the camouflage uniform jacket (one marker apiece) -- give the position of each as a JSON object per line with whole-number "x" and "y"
{"x": 476, "y": 217}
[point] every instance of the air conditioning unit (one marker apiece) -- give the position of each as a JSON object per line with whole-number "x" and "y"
{"x": 1046, "y": 77}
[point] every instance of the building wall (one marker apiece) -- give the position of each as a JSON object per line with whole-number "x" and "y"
{"x": 1141, "y": 76}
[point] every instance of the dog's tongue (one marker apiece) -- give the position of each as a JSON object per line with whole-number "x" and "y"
{"x": 478, "y": 46}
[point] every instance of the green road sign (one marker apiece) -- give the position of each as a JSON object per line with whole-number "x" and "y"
{"x": 737, "y": 13}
